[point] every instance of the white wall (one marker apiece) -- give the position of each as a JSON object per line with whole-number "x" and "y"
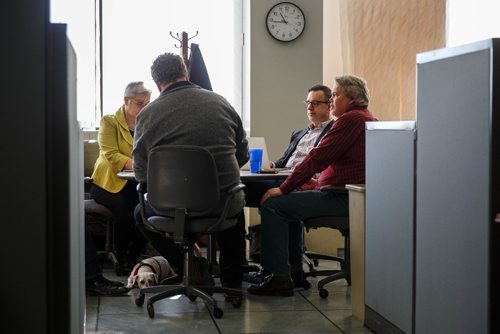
{"x": 277, "y": 75}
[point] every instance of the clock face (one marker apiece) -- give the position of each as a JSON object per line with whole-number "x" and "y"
{"x": 285, "y": 21}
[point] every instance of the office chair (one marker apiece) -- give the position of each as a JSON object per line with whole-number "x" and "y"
{"x": 310, "y": 258}
{"x": 100, "y": 220}
{"x": 183, "y": 189}
{"x": 98, "y": 217}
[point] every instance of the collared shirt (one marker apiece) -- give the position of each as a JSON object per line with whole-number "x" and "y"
{"x": 306, "y": 144}
{"x": 340, "y": 156}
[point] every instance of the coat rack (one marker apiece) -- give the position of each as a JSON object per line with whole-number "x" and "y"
{"x": 183, "y": 39}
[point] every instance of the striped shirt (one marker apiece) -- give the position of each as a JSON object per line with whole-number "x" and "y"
{"x": 340, "y": 156}
{"x": 306, "y": 144}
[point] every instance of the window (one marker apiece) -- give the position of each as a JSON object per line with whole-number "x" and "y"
{"x": 471, "y": 21}
{"x": 80, "y": 19}
{"x": 135, "y": 32}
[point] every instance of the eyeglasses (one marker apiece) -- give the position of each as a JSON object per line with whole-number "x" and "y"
{"x": 315, "y": 103}
{"x": 140, "y": 104}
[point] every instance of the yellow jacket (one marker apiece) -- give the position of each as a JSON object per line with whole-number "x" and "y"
{"x": 115, "y": 144}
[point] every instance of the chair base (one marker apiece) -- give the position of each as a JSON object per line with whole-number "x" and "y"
{"x": 331, "y": 275}
{"x": 189, "y": 290}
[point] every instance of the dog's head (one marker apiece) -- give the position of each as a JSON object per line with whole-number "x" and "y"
{"x": 145, "y": 279}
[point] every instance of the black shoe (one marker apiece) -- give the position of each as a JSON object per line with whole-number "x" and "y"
{"x": 101, "y": 286}
{"x": 273, "y": 286}
{"x": 298, "y": 279}
{"x": 257, "y": 277}
{"x": 235, "y": 294}
{"x": 104, "y": 280}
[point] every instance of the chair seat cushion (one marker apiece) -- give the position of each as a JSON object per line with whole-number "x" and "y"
{"x": 339, "y": 223}
{"x": 192, "y": 225}
{"x": 94, "y": 208}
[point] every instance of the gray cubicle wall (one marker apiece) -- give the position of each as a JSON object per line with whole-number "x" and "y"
{"x": 457, "y": 189}
{"x": 390, "y": 157}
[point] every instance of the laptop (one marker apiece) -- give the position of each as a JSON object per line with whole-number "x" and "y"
{"x": 258, "y": 142}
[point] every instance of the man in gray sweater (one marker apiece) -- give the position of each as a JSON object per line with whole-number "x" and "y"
{"x": 186, "y": 114}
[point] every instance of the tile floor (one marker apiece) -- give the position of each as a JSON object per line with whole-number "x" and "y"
{"x": 305, "y": 312}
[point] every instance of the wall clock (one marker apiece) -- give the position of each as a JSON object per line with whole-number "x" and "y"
{"x": 285, "y": 21}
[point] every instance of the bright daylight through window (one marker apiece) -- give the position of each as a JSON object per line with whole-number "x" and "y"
{"x": 135, "y": 32}
{"x": 469, "y": 22}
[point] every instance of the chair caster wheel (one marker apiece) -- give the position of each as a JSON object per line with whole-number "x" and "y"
{"x": 218, "y": 313}
{"x": 192, "y": 298}
{"x": 306, "y": 285}
{"x": 151, "y": 311}
{"x": 139, "y": 301}
{"x": 323, "y": 293}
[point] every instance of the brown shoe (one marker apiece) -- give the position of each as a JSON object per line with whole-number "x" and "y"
{"x": 201, "y": 275}
{"x": 273, "y": 286}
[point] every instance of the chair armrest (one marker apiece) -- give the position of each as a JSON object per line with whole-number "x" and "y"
{"x": 227, "y": 204}
{"x": 236, "y": 188}
{"x": 142, "y": 188}
{"x": 142, "y": 193}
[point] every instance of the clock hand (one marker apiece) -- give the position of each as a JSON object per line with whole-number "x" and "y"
{"x": 273, "y": 21}
{"x": 283, "y": 18}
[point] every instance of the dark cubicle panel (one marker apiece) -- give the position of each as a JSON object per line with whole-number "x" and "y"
{"x": 389, "y": 230}
{"x": 457, "y": 198}
{"x": 40, "y": 242}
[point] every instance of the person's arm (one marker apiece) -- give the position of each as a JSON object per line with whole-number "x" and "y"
{"x": 334, "y": 144}
{"x": 241, "y": 143}
{"x": 294, "y": 139}
{"x": 139, "y": 152}
{"x": 108, "y": 144}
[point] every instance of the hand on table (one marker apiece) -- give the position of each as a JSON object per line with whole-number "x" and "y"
{"x": 129, "y": 165}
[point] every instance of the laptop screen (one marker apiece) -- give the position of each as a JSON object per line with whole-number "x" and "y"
{"x": 258, "y": 142}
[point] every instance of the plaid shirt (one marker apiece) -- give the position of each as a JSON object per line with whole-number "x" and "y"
{"x": 340, "y": 156}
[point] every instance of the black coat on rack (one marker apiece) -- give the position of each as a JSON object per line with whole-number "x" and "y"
{"x": 195, "y": 64}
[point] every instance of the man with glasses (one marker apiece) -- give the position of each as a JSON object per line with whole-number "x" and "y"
{"x": 301, "y": 142}
{"x": 340, "y": 158}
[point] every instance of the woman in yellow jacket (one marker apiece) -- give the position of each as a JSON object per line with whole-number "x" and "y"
{"x": 116, "y": 138}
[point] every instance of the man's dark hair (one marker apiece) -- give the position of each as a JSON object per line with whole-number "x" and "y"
{"x": 324, "y": 89}
{"x": 168, "y": 67}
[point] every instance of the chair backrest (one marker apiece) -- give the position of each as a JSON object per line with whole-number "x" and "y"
{"x": 90, "y": 155}
{"x": 182, "y": 177}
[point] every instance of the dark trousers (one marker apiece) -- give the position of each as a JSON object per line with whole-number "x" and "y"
{"x": 231, "y": 244}
{"x": 92, "y": 265}
{"x": 282, "y": 229}
{"x": 128, "y": 240}
{"x": 254, "y": 190}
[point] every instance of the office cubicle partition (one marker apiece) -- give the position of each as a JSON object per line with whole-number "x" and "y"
{"x": 389, "y": 230}
{"x": 458, "y": 190}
